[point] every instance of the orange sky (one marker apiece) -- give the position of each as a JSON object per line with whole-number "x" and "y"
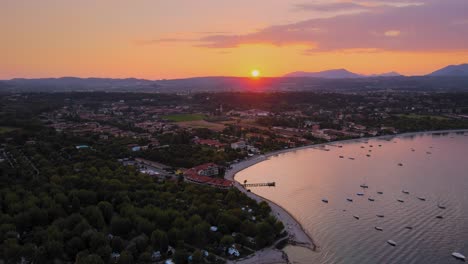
{"x": 183, "y": 38}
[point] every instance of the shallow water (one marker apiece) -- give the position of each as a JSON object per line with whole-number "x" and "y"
{"x": 437, "y": 169}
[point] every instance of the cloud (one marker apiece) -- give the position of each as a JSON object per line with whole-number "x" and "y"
{"x": 428, "y": 25}
{"x": 330, "y": 7}
{"x": 392, "y": 33}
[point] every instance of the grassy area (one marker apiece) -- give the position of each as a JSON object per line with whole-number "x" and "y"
{"x": 415, "y": 116}
{"x": 4, "y": 129}
{"x": 184, "y": 117}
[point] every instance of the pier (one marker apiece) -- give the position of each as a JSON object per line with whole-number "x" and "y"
{"x": 268, "y": 184}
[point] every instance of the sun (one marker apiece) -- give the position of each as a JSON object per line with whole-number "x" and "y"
{"x": 255, "y": 73}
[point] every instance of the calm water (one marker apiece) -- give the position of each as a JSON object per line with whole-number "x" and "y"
{"x": 305, "y": 177}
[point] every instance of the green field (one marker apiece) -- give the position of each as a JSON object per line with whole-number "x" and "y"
{"x": 6, "y": 129}
{"x": 415, "y": 116}
{"x": 184, "y": 117}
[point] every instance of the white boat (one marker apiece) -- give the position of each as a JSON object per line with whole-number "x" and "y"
{"x": 458, "y": 256}
{"x": 325, "y": 200}
{"x": 355, "y": 216}
{"x": 360, "y": 194}
{"x": 378, "y": 228}
{"x": 405, "y": 191}
{"x": 349, "y": 199}
{"x": 441, "y": 206}
{"x": 422, "y": 198}
{"x": 391, "y": 242}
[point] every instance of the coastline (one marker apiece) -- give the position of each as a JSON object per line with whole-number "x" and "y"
{"x": 298, "y": 236}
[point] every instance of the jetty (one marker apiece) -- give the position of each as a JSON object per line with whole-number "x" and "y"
{"x": 264, "y": 184}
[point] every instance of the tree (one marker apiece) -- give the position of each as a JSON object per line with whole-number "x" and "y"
{"x": 121, "y": 226}
{"x": 227, "y": 240}
{"x": 159, "y": 241}
{"x": 107, "y": 210}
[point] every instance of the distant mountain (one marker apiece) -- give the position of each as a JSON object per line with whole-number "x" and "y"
{"x": 452, "y": 70}
{"x": 329, "y": 74}
{"x": 387, "y": 74}
{"x": 80, "y": 84}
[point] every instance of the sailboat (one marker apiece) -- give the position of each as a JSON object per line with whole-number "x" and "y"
{"x": 458, "y": 256}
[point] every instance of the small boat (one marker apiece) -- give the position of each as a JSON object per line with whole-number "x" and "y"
{"x": 341, "y": 157}
{"x": 378, "y": 228}
{"x": 371, "y": 146}
{"x": 362, "y": 146}
{"x": 340, "y": 146}
{"x": 391, "y": 242}
{"x": 401, "y": 201}
{"x": 325, "y": 200}
{"x": 405, "y": 191}
{"x": 380, "y": 215}
{"x": 439, "y": 217}
{"x": 400, "y": 164}
{"x": 380, "y": 145}
{"x": 368, "y": 155}
{"x": 360, "y": 194}
{"x": 409, "y": 227}
{"x": 379, "y": 192}
{"x": 365, "y": 186}
{"x": 349, "y": 199}
{"x": 428, "y": 152}
{"x": 422, "y": 198}
{"x": 370, "y": 150}
{"x": 351, "y": 158}
{"x": 441, "y": 206}
{"x": 371, "y": 199}
{"x": 458, "y": 256}
{"x": 413, "y": 150}
{"x": 355, "y": 216}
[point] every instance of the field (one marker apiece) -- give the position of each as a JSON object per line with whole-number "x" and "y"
{"x": 415, "y": 116}
{"x": 202, "y": 124}
{"x": 6, "y": 129}
{"x": 184, "y": 117}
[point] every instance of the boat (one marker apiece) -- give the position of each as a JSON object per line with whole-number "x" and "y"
{"x": 380, "y": 215}
{"x": 325, "y": 200}
{"x": 371, "y": 199}
{"x": 368, "y": 155}
{"x": 349, "y": 199}
{"x": 439, "y": 217}
{"x": 458, "y": 256}
{"x": 409, "y": 227}
{"x": 379, "y": 192}
{"x": 365, "y": 186}
{"x": 378, "y": 228}
{"x": 422, "y": 198}
{"x": 341, "y": 157}
{"x": 351, "y": 158}
{"x": 405, "y": 191}
{"x": 355, "y": 216}
{"x": 391, "y": 242}
{"x": 371, "y": 146}
{"x": 360, "y": 194}
{"x": 380, "y": 145}
{"x": 400, "y": 164}
{"x": 428, "y": 152}
{"x": 401, "y": 201}
{"x": 441, "y": 206}
{"x": 362, "y": 146}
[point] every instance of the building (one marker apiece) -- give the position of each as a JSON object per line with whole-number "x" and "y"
{"x": 238, "y": 145}
{"x": 203, "y": 174}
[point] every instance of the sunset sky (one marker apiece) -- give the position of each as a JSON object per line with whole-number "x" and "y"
{"x": 156, "y": 39}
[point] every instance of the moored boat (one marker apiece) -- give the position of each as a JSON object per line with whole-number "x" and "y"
{"x": 405, "y": 191}
{"x": 378, "y": 228}
{"x": 458, "y": 256}
{"x": 400, "y": 200}
{"x": 356, "y": 216}
{"x": 325, "y": 200}
{"x": 379, "y": 192}
{"x": 349, "y": 199}
{"x": 371, "y": 199}
{"x": 360, "y": 194}
{"x": 391, "y": 242}
{"x": 380, "y": 215}
{"x": 422, "y": 198}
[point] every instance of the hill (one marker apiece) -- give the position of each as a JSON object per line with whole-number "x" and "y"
{"x": 452, "y": 70}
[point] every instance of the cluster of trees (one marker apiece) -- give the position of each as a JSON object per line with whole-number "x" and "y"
{"x": 84, "y": 206}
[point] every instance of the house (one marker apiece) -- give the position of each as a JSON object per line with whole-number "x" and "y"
{"x": 238, "y": 145}
{"x": 203, "y": 174}
{"x": 208, "y": 169}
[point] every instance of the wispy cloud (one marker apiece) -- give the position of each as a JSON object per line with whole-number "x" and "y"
{"x": 427, "y": 25}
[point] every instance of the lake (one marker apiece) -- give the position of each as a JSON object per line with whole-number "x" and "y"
{"x": 433, "y": 167}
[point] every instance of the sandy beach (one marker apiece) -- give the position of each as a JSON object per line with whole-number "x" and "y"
{"x": 297, "y": 234}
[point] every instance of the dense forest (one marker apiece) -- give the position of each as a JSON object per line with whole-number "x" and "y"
{"x": 60, "y": 203}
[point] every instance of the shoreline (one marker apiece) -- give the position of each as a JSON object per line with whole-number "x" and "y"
{"x": 298, "y": 236}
